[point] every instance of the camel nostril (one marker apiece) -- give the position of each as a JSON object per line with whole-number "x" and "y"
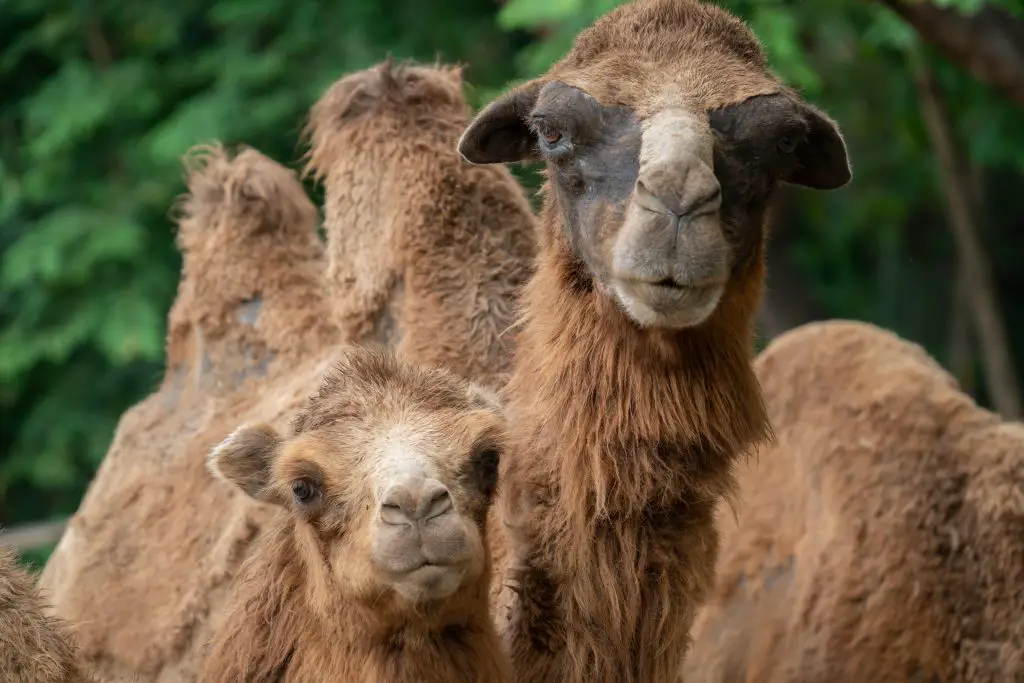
{"x": 440, "y": 503}
{"x": 709, "y": 203}
{"x": 395, "y": 515}
{"x": 679, "y": 189}
{"x": 410, "y": 502}
{"x": 649, "y": 200}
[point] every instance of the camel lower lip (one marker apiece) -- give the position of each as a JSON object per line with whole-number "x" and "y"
{"x": 667, "y": 303}
{"x": 424, "y": 567}
{"x": 672, "y": 287}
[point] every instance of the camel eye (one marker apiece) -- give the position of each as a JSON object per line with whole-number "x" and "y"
{"x": 485, "y": 469}
{"x": 303, "y": 490}
{"x": 549, "y": 136}
{"x": 788, "y": 143}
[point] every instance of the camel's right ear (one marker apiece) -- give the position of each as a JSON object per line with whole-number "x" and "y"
{"x": 499, "y": 133}
{"x": 246, "y": 459}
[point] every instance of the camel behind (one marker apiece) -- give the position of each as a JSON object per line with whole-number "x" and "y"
{"x": 150, "y": 556}
{"x": 34, "y": 647}
{"x": 881, "y": 538}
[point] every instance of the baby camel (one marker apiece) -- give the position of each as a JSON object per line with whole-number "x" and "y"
{"x": 632, "y": 398}
{"x": 376, "y": 568}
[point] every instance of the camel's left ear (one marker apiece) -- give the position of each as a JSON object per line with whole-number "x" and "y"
{"x": 822, "y": 160}
{"x": 245, "y": 459}
{"x": 499, "y": 133}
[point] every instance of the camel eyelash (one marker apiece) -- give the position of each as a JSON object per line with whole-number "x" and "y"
{"x": 552, "y": 140}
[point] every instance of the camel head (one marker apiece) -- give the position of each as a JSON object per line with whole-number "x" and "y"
{"x": 387, "y": 478}
{"x": 664, "y": 135}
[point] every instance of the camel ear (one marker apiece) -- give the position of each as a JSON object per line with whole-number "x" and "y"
{"x": 246, "y": 458}
{"x": 499, "y": 133}
{"x": 822, "y": 159}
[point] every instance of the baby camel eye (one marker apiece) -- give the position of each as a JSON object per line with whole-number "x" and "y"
{"x": 485, "y": 469}
{"x": 303, "y": 490}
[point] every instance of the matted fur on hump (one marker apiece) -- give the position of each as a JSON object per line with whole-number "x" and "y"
{"x": 426, "y": 253}
{"x": 882, "y": 537}
{"x": 156, "y": 540}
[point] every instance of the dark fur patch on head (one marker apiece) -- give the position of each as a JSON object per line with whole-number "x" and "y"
{"x": 780, "y": 137}
{"x": 577, "y": 278}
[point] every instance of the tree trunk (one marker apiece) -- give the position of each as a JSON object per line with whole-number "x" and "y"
{"x": 989, "y": 43}
{"x": 960, "y": 357}
{"x": 1000, "y": 374}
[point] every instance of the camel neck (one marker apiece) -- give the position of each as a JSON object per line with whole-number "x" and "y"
{"x": 623, "y": 405}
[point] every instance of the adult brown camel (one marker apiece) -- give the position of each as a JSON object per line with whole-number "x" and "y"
{"x": 149, "y": 557}
{"x": 633, "y": 396}
{"x": 881, "y": 538}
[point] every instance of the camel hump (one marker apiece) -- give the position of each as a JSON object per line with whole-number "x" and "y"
{"x": 888, "y": 483}
{"x": 430, "y": 90}
{"x": 425, "y": 252}
{"x": 252, "y": 265}
{"x": 238, "y": 197}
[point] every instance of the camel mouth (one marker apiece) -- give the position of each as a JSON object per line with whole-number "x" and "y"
{"x": 430, "y": 581}
{"x": 668, "y": 303}
{"x": 666, "y": 283}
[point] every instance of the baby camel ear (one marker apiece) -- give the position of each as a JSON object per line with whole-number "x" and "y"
{"x": 499, "y": 133}
{"x": 245, "y": 458}
{"x": 823, "y": 163}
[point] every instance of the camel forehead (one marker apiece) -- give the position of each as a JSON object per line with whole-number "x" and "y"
{"x": 655, "y": 54}
{"x": 404, "y": 449}
{"x": 359, "y": 456}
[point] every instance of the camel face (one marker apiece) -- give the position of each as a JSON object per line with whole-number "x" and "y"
{"x": 388, "y": 477}
{"x": 664, "y": 135}
{"x": 422, "y": 542}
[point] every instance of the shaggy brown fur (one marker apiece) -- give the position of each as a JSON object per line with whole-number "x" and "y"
{"x": 34, "y": 648}
{"x": 882, "y": 538}
{"x": 156, "y": 540}
{"x": 314, "y": 603}
{"x": 148, "y": 558}
{"x": 633, "y": 393}
{"x": 426, "y": 252}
